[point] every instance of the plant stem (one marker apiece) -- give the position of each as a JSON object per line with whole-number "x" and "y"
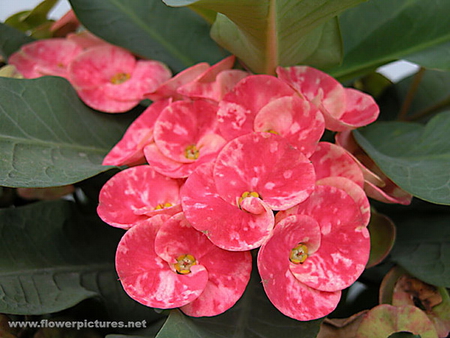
{"x": 445, "y": 102}
{"x": 410, "y": 95}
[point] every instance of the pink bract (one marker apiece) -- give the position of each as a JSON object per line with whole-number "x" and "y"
{"x": 331, "y": 160}
{"x": 376, "y": 184}
{"x": 226, "y": 224}
{"x": 300, "y": 122}
{"x": 136, "y": 194}
{"x": 228, "y": 272}
{"x": 343, "y": 108}
{"x": 215, "y": 82}
{"x": 45, "y": 57}
{"x": 287, "y": 293}
{"x": 345, "y": 243}
{"x": 169, "y": 89}
{"x": 185, "y": 136}
{"x": 130, "y": 149}
{"x": 266, "y": 164}
{"x": 148, "y": 278}
{"x": 110, "y": 79}
{"x": 238, "y": 108}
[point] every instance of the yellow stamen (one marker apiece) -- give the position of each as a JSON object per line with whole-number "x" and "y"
{"x": 272, "y": 131}
{"x": 184, "y": 264}
{"x": 120, "y": 78}
{"x": 299, "y": 254}
{"x": 192, "y": 152}
{"x": 163, "y": 205}
{"x": 248, "y": 194}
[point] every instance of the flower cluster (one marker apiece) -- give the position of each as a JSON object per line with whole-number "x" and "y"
{"x": 224, "y": 162}
{"x": 106, "y": 77}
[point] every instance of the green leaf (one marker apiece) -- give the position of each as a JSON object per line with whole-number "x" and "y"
{"x": 11, "y": 40}
{"x": 268, "y": 33}
{"x": 48, "y": 137}
{"x": 31, "y": 19}
{"x": 47, "y": 253}
{"x": 178, "y": 37}
{"x": 404, "y": 335}
{"x": 422, "y": 246}
{"x": 52, "y": 257}
{"x": 252, "y": 317}
{"x": 432, "y": 96}
{"x": 414, "y": 156}
{"x": 380, "y": 31}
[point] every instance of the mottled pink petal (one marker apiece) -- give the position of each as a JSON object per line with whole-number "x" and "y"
{"x": 360, "y": 110}
{"x": 165, "y": 165}
{"x": 216, "y": 89}
{"x": 389, "y": 193}
{"x": 287, "y": 293}
{"x": 24, "y": 65}
{"x": 182, "y": 125}
{"x": 86, "y": 39}
{"x": 332, "y": 160}
{"x": 225, "y": 224}
{"x": 170, "y": 87}
{"x": 228, "y": 272}
{"x": 317, "y": 87}
{"x": 345, "y": 244}
{"x": 106, "y": 75}
{"x": 146, "y": 76}
{"x": 130, "y": 149}
{"x": 354, "y": 190}
{"x": 45, "y": 57}
{"x": 96, "y": 98}
{"x": 266, "y": 164}
{"x": 149, "y": 279}
{"x": 295, "y": 119}
{"x": 238, "y": 108}
{"x": 135, "y": 194}
{"x": 97, "y": 66}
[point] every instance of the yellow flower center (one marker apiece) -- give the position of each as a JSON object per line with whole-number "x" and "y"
{"x": 272, "y": 131}
{"x": 248, "y": 194}
{"x": 163, "y": 205}
{"x": 120, "y": 78}
{"x": 184, "y": 264}
{"x": 299, "y": 254}
{"x": 192, "y": 152}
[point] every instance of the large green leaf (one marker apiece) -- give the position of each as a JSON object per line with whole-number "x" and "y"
{"x": 430, "y": 97}
{"x": 176, "y": 36}
{"x": 423, "y": 245}
{"x": 415, "y": 157}
{"x": 11, "y": 39}
{"x": 52, "y": 257}
{"x": 48, "y": 137}
{"x": 252, "y": 317}
{"x": 381, "y": 31}
{"x": 268, "y": 33}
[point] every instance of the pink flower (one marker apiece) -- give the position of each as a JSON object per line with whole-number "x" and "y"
{"x": 342, "y": 108}
{"x": 185, "y": 136}
{"x": 136, "y": 194}
{"x": 130, "y": 149}
{"x": 264, "y": 103}
{"x": 253, "y": 174}
{"x": 45, "y": 57}
{"x": 376, "y": 184}
{"x": 165, "y": 263}
{"x": 334, "y": 166}
{"x": 201, "y": 81}
{"x": 111, "y": 79}
{"x": 317, "y": 249}
{"x": 238, "y": 109}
